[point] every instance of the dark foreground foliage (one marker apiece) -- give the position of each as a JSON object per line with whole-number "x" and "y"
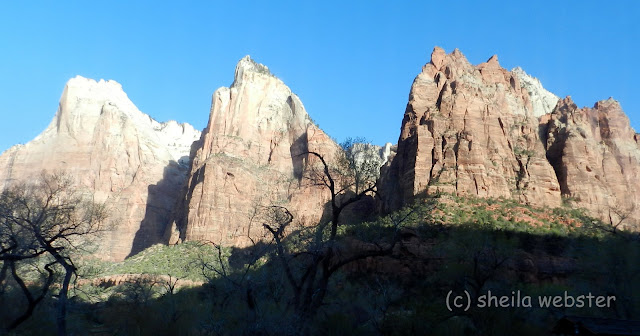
{"x": 447, "y": 244}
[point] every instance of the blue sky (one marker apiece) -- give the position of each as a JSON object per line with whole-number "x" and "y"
{"x": 351, "y": 63}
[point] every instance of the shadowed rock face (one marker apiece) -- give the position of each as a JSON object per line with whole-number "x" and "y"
{"x": 128, "y": 160}
{"x": 471, "y": 130}
{"x": 249, "y": 156}
{"x": 485, "y": 131}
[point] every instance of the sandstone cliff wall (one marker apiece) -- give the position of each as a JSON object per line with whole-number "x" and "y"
{"x": 596, "y": 156}
{"x": 125, "y": 158}
{"x": 250, "y": 156}
{"x": 485, "y": 131}
{"x": 472, "y": 130}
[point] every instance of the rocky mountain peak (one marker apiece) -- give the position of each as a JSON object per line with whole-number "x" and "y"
{"x": 252, "y": 152}
{"x": 438, "y": 56}
{"x": 608, "y": 103}
{"x": 471, "y": 130}
{"x": 247, "y": 68}
{"x": 596, "y": 156}
{"x": 121, "y": 155}
{"x": 493, "y": 60}
{"x": 443, "y": 62}
{"x": 477, "y": 130}
{"x": 542, "y": 101}
{"x": 485, "y": 131}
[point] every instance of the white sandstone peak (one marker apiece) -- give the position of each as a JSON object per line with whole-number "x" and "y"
{"x": 256, "y": 104}
{"x": 124, "y": 157}
{"x": 86, "y": 105}
{"x": 542, "y": 100}
{"x": 246, "y": 67}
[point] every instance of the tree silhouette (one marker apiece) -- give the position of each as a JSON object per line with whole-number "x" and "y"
{"x": 49, "y": 219}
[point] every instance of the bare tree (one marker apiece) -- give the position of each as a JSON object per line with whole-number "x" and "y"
{"x": 47, "y": 218}
{"x": 618, "y": 215}
{"x": 308, "y": 270}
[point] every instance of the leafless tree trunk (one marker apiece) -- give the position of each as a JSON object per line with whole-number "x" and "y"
{"x": 48, "y": 217}
{"x": 322, "y": 259}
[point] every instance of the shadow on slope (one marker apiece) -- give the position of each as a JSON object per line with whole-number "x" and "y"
{"x": 401, "y": 294}
{"x": 162, "y": 199}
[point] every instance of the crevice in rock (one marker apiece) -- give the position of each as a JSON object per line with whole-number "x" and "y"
{"x": 543, "y": 133}
{"x": 512, "y": 81}
{"x": 440, "y": 95}
{"x": 162, "y": 201}
{"x": 554, "y": 157}
{"x": 297, "y": 150}
{"x": 475, "y": 181}
{"x": 433, "y": 163}
{"x": 438, "y": 78}
{"x": 444, "y": 144}
{"x": 272, "y": 147}
{"x": 502, "y": 126}
{"x": 456, "y": 148}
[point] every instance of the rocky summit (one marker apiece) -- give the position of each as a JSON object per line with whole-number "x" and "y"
{"x": 252, "y": 154}
{"x": 596, "y": 156}
{"x": 124, "y": 157}
{"x": 471, "y": 130}
{"x": 489, "y": 132}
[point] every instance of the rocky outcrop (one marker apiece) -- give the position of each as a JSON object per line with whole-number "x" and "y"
{"x": 250, "y": 156}
{"x": 542, "y": 101}
{"x": 124, "y": 157}
{"x": 597, "y": 159}
{"x": 471, "y": 130}
{"x": 485, "y": 131}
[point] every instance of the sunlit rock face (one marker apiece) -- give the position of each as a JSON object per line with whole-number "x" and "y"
{"x": 121, "y": 155}
{"x": 472, "y": 130}
{"x": 251, "y": 155}
{"x": 596, "y": 156}
{"x": 469, "y": 130}
{"x": 488, "y": 132}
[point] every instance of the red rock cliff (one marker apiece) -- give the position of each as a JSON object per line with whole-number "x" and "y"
{"x": 597, "y": 159}
{"x": 471, "y": 130}
{"x": 249, "y": 157}
{"x": 485, "y": 131}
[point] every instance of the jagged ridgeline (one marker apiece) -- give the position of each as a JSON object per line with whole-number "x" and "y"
{"x": 121, "y": 155}
{"x": 488, "y": 132}
{"x": 468, "y": 130}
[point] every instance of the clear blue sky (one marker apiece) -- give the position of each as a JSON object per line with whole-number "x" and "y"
{"x": 351, "y": 64}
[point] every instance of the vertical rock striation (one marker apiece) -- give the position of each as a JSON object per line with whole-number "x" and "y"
{"x": 488, "y": 132}
{"x": 249, "y": 156}
{"x": 128, "y": 160}
{"x": 472, "y": 130}
{"x": 596, "y": 156}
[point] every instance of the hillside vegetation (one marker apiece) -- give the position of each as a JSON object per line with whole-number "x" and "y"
{"x": 448, "y": 243}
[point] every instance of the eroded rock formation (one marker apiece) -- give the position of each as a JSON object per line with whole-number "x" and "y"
{"x": 128, "y": 160}
{"x": 251, "y": 156}
{"x": 472, "y": 130}
{"x": 596, "y": 156}
{"x": 485, "y": 131}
